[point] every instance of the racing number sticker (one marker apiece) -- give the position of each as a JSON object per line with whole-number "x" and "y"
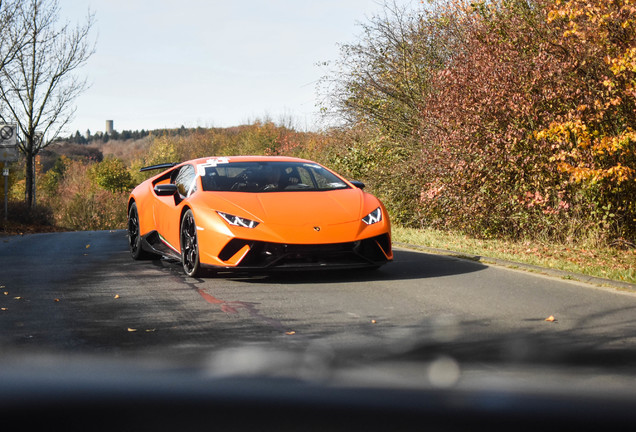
{"x": 211, "y": 163}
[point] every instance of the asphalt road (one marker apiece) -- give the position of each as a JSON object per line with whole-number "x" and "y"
{"x": 80, "y": 292}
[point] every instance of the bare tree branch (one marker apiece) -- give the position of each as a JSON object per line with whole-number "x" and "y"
{"x": 38, "y": 85}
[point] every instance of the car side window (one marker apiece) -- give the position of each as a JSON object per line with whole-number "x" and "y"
{"x": 186, "y": 181}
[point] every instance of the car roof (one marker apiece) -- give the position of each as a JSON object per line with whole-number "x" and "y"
{"x": 230, "y": 159}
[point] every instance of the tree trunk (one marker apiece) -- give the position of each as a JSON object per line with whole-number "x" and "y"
{"x": 29, "y": 181}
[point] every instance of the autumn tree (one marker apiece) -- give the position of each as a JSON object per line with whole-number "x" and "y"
{"x": 112, "y": 175}
{"x": 379, "y": 87}
{"x": 497, "y": 117}
{"x": 538, "y": 113}
{"x": 595, "y": 139}
{"x": 504, "y": 82}
{"x": 39, "y": 85}
{"x": 382, "y": 78}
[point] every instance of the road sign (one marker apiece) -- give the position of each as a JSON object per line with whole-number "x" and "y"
{"x": 9, "y": 154}
{"x": 8, "y": 134}
{"x": 8, "y": 143}
{"x": 38, "y": 137}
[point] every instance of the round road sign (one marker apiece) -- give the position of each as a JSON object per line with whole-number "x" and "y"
{"x": 6, "y": 132}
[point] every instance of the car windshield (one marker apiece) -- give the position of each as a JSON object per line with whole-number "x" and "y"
{"x": 268, "y": 177}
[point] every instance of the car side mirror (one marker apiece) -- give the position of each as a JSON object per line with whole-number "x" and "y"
{"x": 357, "y": 184}
{"x": 166, "y": 189}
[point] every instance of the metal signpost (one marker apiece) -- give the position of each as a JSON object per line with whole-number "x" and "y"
{"x": 8, "y": 154}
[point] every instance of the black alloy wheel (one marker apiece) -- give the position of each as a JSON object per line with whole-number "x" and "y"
{"x": 134, "y": 237}
{"x": 189, "y": 245}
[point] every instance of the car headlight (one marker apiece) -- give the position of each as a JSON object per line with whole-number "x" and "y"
{"x": 238, "y": 221}
{"x": 374, "y": 217}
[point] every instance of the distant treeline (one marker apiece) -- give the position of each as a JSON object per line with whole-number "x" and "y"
{"x": 89, "y": 138}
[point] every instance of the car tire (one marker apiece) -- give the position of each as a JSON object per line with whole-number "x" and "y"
{"x": 189, "y": 245}
{"x": 134, "y": 236}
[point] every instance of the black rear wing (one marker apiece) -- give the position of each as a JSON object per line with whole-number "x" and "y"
{"x": 159, "y": 166}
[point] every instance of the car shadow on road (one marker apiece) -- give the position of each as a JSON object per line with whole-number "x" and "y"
{"x": 406, "y": 265}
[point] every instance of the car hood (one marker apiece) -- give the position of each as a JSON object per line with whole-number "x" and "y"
{"x": 293, "y": 208}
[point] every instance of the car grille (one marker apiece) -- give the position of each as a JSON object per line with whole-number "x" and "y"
{"x": 368, "y": 252}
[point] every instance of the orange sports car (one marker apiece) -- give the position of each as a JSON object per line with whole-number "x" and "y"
{"x": 257, "y": 213}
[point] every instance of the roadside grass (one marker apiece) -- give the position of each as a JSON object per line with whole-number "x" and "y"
{"x": 608, "y": 263}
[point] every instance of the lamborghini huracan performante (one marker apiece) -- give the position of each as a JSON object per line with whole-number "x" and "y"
{"x": 257, "y": 213}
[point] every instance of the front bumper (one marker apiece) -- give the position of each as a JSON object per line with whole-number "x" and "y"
{"x": 250, "y": 254}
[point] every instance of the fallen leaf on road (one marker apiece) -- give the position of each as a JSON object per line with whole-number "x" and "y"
{"x": 291, "y": 332}
{"x": 551, "y": 318}
{"x": 87, "y": 246}
{"x": 116, "y": 296}
{"x": 132, "y": 329}
{"x": 150, "y": 330}
{"x": 3, "y": 309}
{"x": 17, "y": 298}
{"x": 56, "y": 300}
{"x": 373, "y": 322}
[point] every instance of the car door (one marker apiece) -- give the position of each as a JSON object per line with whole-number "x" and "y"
{"x": 168, "y": 208}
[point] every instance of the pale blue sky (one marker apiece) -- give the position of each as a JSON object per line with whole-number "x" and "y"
{"x": 161, "y": 63}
